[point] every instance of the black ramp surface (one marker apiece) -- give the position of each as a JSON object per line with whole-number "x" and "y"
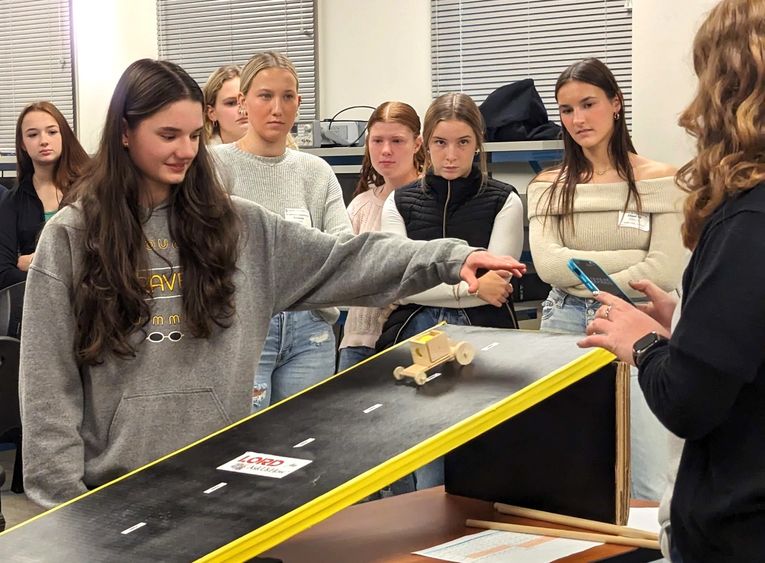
{"x": 350, "y": 425}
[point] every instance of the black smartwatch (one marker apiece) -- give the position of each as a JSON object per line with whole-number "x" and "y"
{"x": 645, "y": 344}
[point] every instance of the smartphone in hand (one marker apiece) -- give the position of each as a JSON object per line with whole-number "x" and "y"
{"x": 595, "y": 279}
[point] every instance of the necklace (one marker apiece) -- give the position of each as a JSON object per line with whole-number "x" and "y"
{"x": 601, "y": 172}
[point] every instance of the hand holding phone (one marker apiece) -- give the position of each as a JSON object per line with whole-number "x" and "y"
{"x": 595, "y": 279}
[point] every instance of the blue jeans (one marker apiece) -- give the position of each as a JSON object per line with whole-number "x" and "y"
{"x": 352, "y": 355}
{"x": 432, "y": 474}
{"x": 566, "y": 313}
{"x": 299, "y": 352}
{"x": 649, "y": 440}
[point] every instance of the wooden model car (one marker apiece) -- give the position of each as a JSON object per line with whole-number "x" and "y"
{"x": 431, "y": 349}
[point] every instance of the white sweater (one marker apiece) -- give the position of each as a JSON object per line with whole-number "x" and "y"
{"x": 629, "y": 248}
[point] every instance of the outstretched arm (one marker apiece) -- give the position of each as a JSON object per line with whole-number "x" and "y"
{"x": 313, "y": 270}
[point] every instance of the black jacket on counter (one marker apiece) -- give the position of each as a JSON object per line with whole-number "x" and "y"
{"x": 21, "y": 220}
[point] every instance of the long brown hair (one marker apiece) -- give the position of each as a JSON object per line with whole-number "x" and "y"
{"x": 575, "y": 167}
{"x": 212, "y": 87}
{"x": 460, "y": 107}
{"x": 110, "y": 300}
{"x": 727, "y": 115}
{"x": 389, "y": 112}
{"x": 73, "y": 160}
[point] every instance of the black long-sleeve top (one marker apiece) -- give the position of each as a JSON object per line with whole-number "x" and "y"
{"x": 708, "y": 386}
{"x": 21, "y": 220}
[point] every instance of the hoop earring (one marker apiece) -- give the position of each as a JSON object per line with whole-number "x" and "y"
{"x": 616, "y": 116}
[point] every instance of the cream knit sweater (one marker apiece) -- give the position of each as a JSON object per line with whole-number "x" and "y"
{"x": 652, "y": 250}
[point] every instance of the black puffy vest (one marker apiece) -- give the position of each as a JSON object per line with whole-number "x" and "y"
{"x": 451, "y": 209}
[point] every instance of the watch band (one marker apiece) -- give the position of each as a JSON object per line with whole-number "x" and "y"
{"x": 645, "y": 344}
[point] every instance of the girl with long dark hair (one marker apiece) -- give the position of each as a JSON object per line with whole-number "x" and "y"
{"x": 49, "y": 158}
{"x": 608, "y": 204}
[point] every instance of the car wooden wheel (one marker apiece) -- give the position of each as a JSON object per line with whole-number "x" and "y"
{"x": 464, "y": 353}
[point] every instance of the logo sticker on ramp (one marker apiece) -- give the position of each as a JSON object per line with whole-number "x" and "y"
{"x": 264, "y": 465}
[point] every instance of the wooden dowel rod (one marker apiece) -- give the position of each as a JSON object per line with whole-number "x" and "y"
{"x": 574, "y": 522}
{"x": 570, "y": 534}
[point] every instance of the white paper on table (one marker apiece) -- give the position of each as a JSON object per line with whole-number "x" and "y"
{"x": 645, "y": 518}
{"x": 493, "y": 546}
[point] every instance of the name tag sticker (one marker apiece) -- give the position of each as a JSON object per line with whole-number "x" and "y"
{"x": 634, "y": 220}
{"x": 264, "y": 465}
{"x": 298, "y": 215}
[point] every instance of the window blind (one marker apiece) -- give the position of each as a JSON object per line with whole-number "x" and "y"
{"x": 202, "y": 35}
{"x": 35, "y": 61}
{"x": 479, "y": 45}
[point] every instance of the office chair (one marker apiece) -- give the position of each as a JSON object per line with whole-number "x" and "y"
{"x": 10, "y": 417}
{"x": 11, "y": 305}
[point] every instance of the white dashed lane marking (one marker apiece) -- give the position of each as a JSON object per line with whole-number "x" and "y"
{"x": 215, "y": 488}
{"x": 133, "y": 528}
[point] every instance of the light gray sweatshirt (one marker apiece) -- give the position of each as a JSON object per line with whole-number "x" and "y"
{"x": 297, "y": 185}
{"x": 86, "y": 426}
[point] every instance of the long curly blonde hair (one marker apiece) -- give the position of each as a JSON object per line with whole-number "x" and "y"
{"x": 727, "y": 114}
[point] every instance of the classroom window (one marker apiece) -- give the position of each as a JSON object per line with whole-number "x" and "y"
{"x": 201, "y": 35}
{"x": 480, "y": 45}
{"x": 35, "y": 61}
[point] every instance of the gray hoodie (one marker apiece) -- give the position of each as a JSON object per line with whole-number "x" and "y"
{"x": 86, "y": 426}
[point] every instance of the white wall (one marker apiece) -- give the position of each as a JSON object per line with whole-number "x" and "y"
{"x": 662, "y": 75}
{"x": 372, "y": 51}
{"x": 108, "y": 36}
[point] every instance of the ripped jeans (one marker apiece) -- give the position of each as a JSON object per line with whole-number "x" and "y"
{"x": 299, "y": 352}
{"x": 649, "y": 440}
